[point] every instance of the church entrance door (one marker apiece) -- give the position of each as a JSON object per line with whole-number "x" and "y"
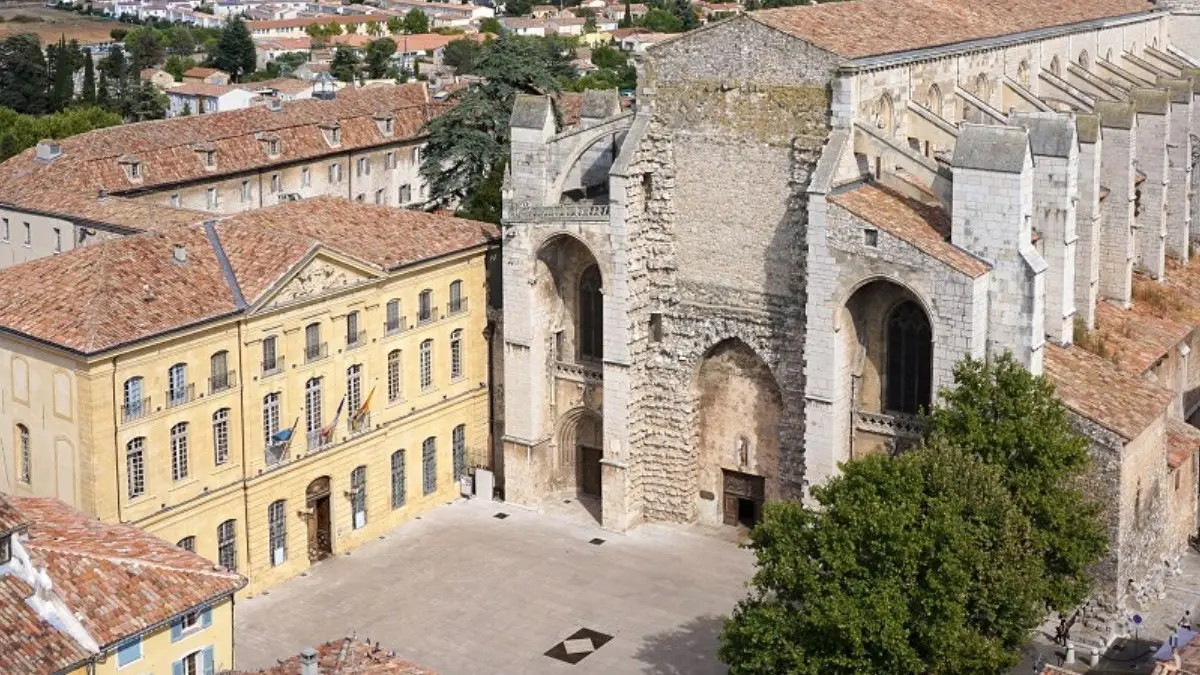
{"x": 743, "y": 498}
{"x": 589, "y": 471}
{"x": 320, "y": 541}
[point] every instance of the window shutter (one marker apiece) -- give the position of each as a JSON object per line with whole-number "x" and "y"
{"x": 176, "y": 631}
{"x": 177, "y": 667}
{"x": 209, "y": 665}
{"x": 206, "y": 618}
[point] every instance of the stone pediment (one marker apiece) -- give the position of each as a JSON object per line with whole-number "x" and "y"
{"x": 319, "y": 276}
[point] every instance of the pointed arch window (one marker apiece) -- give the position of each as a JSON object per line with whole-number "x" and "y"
{"x": 591, "y": 315}
{"x": 909, "y": 374}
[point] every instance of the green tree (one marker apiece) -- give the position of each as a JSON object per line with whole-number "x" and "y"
{"x": 88, "y": 95}
{"x": 24, "y": 77}
{"x": 912, "y": 565}
{"x": 333, "y": 29}
{"x": 344, "y": 65}
{"x": 374, "y": 29}
{"x": 589, "y": 24}
{"x": 318, "y": 34}
{"x": 19, "y": 132}
{"x": 662, "y": 20}
{"x": 626, "y": 18}
{"x": 467, "y": 142}
{"x": 180, "y": 41}
{"x": 146, "y": 47}
{"x": 395, "y": 25}
{"x": 379, "y": 57}
{"x": 1007, "y": 416}
{"x": 518, "y": 7}
{"x": 62, "y": 75}
{"x": 416, "y": 22}
{"x": 103, "y": 97}
{"x": 235, "y": 52}
{"x": 491, "y": 25}
{"x": 290, "y": 61}
{"x": 461, "y": 54}
{"x": 118, "y": 34}
{"x": 177, "y": 65}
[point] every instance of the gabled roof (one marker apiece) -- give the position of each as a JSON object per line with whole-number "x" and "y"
{"x": 98, "y": 297}
{"x": 925, "y": 227}
{"x": 29, "y": 644}
{"x": 1182, "y": 441}
{"x": 862, "y": 28}
{"x": 11, "y": 518}
{"x": 1098, "y": 390}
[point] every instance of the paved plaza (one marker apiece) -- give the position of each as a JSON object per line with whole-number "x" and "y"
{"x": 464, "y": 592}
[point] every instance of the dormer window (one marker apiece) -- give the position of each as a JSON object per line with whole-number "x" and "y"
{"x": 132, "y": 165}
{"x": 5, "y": 548}
{"x": 333, "y": 133}
{"x": 210, "y": 159}
{"x": 135, "y": 170}
{"x": 270, "y": 143}
{"x": 273, "y": 148}
{"x": 386, "y": 123}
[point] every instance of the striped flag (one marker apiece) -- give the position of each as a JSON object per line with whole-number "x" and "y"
{"x": 327, "y": 432}
{"x": 364, "y": 408}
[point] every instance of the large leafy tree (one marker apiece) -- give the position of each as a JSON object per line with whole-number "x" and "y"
{"x": 24, "y": 76}
{"x": 913, "y": 565}
{"x": 146, "y": 47}
{"x": 379, "y": 57}
{"x": 18, "y": 132}
{"x": 468, "y": 142}
{"x": 344, "y": 65}
{"x": 415, "y": 21}
{"x": 1000, "y": 412}
{"x": 460, "y": 54}
{"x": 234, "y": 52}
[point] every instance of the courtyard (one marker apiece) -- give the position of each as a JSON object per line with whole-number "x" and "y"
{"x": 480, "y": 587}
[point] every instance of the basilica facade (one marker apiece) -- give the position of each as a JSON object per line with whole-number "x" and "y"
{"x": 772, "y": 262}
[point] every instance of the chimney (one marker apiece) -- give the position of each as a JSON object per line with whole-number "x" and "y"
{"x": 48, "y": 150}
{"x": 180, "y": 254}
{"x": 308, "y": 662}
{"x": 274, "y": 104}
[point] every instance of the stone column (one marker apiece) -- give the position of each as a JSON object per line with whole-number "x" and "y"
{"x": 1118, "y": 121}
{"x": 1153, "y": 128}
{"x": 1087, "y": 220}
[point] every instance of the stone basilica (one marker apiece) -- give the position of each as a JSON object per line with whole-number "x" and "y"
{"x": 773, "y": 261}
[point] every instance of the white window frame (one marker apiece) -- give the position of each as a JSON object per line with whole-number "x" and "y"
{"x": 394, "y": 364}
{"x": 456, "y": 356}
{"x": 179, "y": 452}
{"x": 211, "y": 197}
{"x": 135, "y": 467}
{"x": 426, "y": 365}
{"x": 220, "y": 429}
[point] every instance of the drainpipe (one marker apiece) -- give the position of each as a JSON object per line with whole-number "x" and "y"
{"x": 116, "y": 439}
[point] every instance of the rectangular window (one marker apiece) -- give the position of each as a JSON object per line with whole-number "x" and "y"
{"x": 655, "y": 327}
{"x": 380, "y": 197}
{"x": 312, "y": 413}
{"x": 393, "y": 317}
{"x": 212, "y": 195}
{"x": 429, "y": 465}
{"x": 28, "y": 235}
{"x": 227, "y": 545}
{"x": 312, "y": 342}
{"x": 270, "y": 418}
{"x": 277, "y": 532}
{"x": 275, "y": 185}
{"x": 425, "y": 306}
{"x": 305, "y": 177}
{"x": 269, "y": 355}
{"x": 358, "y": 498}
{"x": 363, "y": 166}
{"x": 647, "y": 192}
{"x": 353, "y": 389}
{"x": 398, "y": 479}
{"x": 405, "y": 194}
{"x": 129, "y": 652}
{"x": 179, "y": 452}
{"x": 459, "y": 446}
{"x": 135, "y": 467}
{"x": 353, "y": 336}
{"x": 57, "y": 240}
{"x": 6, "y": 233}
{"x": 335, "y": 173}
{"x": 175, "y": 201}
{"x": 871, "y": 237}
{"x": 426, "y": 364}
{"x": 220, "y": 429}
{"x": 245, "y": 191}
{"x": 393, "y": 376}
{"x": 389, "y": 160}
{"x": 456, "y": 357}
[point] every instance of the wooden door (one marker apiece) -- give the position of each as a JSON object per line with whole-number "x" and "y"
{"x": 589, "y": 471}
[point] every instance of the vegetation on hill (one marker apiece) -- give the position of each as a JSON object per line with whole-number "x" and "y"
{"x": 19, "y": 132}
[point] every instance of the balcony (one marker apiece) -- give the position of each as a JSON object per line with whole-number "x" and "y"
{"x": 456, "y": 307}
{"x": 181, "y": 395}
{"x": 580, "y": 371}
{"x": 136, "y": 409}
{"x": 272, "y": 367}
{"x": 316, "y": 352}
{"x": 560, "y": 212}
{"x": 360, "y": 426}
{"x": 222, "y": 381}
{"x": 274, "y": 453}
{"x": 428, "y": 316}
{"x": 398, "y": 326}
{"x": 895, "y": 424}
{"x": 356, "y": 340}
{"x": 318, "y": 441}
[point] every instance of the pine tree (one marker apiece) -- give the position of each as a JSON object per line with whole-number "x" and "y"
{"x": 89, "y": 79}
{"x": 24, "y": 77}
{"x": 63, "y": 89}
{"x": 235, "y": 52}
{"x": 102, "y": 98}
{"x": 627, "y": 18}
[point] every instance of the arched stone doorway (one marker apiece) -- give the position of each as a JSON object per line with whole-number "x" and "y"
{"x": 739, "y": 406}
{"x": 580, "y": 443}
{"x": 319, "y": 516}
{"x": 889, "y": 341}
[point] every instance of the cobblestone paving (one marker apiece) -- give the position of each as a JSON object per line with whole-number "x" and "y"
{"x": 465, "y": 593}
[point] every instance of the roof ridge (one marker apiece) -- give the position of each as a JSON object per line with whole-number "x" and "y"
{"x": 120, "y": 560}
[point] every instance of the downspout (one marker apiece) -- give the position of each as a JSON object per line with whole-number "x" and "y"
{"x": 116, "y": 445}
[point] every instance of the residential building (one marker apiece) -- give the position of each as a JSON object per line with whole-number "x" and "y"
{"x": 283, "y": 89}
{"x": 354, "y": 23}
{"x": 268, "y": 388}
{"x": 192, "y": 98}
{"x": 82, "y": 597}
{"x": 202, "y": 75}
{"x": 158, "y": 77}
{"x": 91, "y": 187}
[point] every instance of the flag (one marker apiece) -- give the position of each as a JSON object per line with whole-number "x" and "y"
{"x": 327, "y": 432}
{"x": 285, "y": 435}
{"x": 364, "y": 408}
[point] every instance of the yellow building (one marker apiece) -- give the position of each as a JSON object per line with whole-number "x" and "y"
{"x": 80, "y": 597}
{"x": 154, "y": 379}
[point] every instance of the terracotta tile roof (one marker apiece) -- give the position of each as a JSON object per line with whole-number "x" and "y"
{"x": 126, "y": 289}
{"x": 922, "y": 225}
{"x": 11, "y": 518}
{"x": 1182, "y": 441}
{"x": 69, "y": 184}
{"x": 287, "y": 85}
{"x": 1100, "y": 391}
{"x": 350, "y": 656}
{"x": 875, "y": 27}
{"x": 323, "y": 19}
{"x": 118, "y": 577}
{"x": 1176, "y": 297}
{"x": 1135, "y": 338}
{"x": 201, "y": 89}
{"x": 201, "y": 72}
{"x": 29, "y": 645}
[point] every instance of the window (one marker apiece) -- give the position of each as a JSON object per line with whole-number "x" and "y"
{"x": 305, "y": 177}
{"x": 191, "y": 664}
{"x": 177, "y": 389}
{"x": 5, "y": 548}
{"x": 270, "y": 418}
{"x": 871, "y": 237}
{"x": 313, "y": 347}
{"x": 179, "y": 451}
{"x": 363, "y": 166}
{"x": 647, "y": 191}
{"x": 227, "y": 545}
{"x": 393, "y": 375}
{"x": 908, "y": 380}
{"x": 393, "y": 316}
{"x": 353, "y": 336}
{"x": 274, "y": 183}
{"x": 456, "y": 366}
{"x": 273, "y": 148}
{"x": 426, "y": 364}
{"x": 220, "y": 428}
{"x": 129, "y": 652}
{"x": 212, "y": 194}
{"x": 456, "y": 298}
{"x": 187, "y": 544}
{"x": 210, "y": 159}
{"x": 335, "y": 173}
{"x": 6, "y": 233}
{"x": 270, "y": 358}
{"x": 353, "y": 389}
{"x": 389, "y": 126}
{"x": 277, "y": 532}
{"x": 397, "y": 479}
{"x": 245, "y": 191}
{"x": 135, "y": 467}
{"x": 175, "y": 200}
{"x": 28, "y": 235}
{"x": 135, "y": 404}
{"x": 425, "y": 306}
{"x": 591, "y": 315}
{"x": 416, "y": 155}
{"x": 429, "y": 465}
{"x": 218, "y": 379}
{"x": 358, "y": 497}
{"x": 656, "y": 330}
{"x": 57, "y": 240}
{"x": 380, "y": 197}
{"x": 312, "y": 410}
{"x": 25, "y": 470}
{"x": 135, "y": 170}
{"x": 458, "y": 444}
{"x": 404, "y": 195}
{"x": 389, "y": 160}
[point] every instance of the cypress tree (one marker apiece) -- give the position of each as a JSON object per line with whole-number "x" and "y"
{"x": 89, "y": 79}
